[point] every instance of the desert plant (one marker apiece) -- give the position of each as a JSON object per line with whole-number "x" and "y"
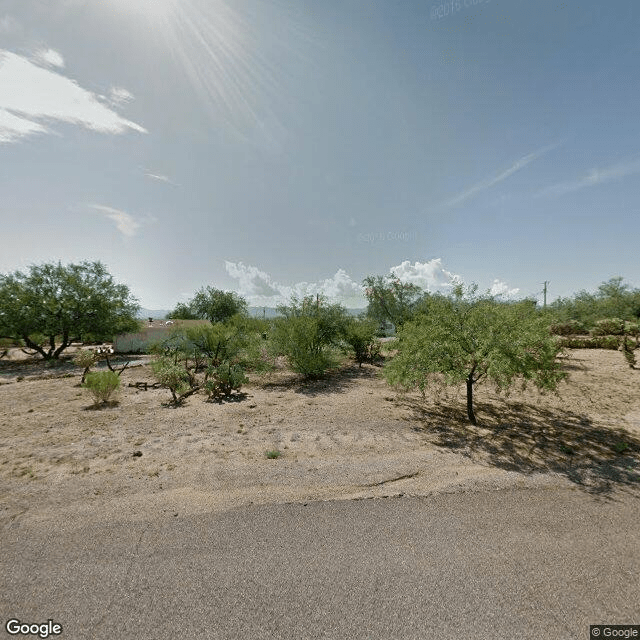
{"x": 468, "y": 339}
{"x": 608, "y": 327}
{"x": 272, "y": 455}
{"x": 224, "y": 379}
{"x": 391, "y": 300}
{"x": 568, "y": 328}
{"x": 627, "y": 346}
{"x": 174, "y": 377}
{"x": 85, "y": 359}
{"x": 213, "y": 304}
{"x": 309, "y": 334}
{"x": 360, "y": 336}
{"x": 55, "y": 305}
{"x": 101, "y": 385}
{"x": 589, "y": 342}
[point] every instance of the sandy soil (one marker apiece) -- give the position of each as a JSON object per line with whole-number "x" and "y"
{"x": 349, "y": 436}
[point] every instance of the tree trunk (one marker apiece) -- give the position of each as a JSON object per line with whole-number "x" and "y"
{"x": 36, "y": 347}
{"x": 470, "y": 414}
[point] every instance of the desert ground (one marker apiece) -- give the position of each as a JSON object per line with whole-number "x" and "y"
{"x": 348, "y": 436}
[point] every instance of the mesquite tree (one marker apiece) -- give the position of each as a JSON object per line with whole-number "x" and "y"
{"x": 468, "y": 339}
{"x": 54, "y": 305}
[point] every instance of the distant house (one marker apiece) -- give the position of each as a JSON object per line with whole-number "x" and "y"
{"x": 151, "y": 332}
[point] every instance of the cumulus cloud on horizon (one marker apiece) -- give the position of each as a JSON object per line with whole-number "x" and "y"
{"x": 260, "y": 289}
{"x": 31, "y": 93}
{"x": 499, "y": 288}
{"x": 427, "y": 275}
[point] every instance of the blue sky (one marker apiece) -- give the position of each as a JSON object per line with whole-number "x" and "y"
{"x": 275, "y": 147}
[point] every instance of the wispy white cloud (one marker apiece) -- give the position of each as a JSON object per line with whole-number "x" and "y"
{"x": 595, "y": 177}
{"x": 160, "y": 178}
{"x": 487, "y": 184}
{"x": 13, "y": 128}
{"x": 29, "y": 92}
{"x": 118, "y": 96}
{"x": 427, "y": 275}
{"x": 499, "y": 288}
{"x": 8, "y": 24}
{"x": 49, "y": 58}
{"x": 126, "y": 224}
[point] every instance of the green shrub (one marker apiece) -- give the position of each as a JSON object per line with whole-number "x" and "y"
{"x": 568, "y": 328}
{"x": 85, "y": 359}
{"x": 595, "y": 342}
{"x": 627, "y": 346}
{"x": 102, "y": 384}
{"x": 305, "y": 344}
{"x": 172, "y": 376}
{"x": 360, "y": 336}
{"x": 224, "y": 380}
{"x": 632, "y": 329}
{"x": 608, "y": 327}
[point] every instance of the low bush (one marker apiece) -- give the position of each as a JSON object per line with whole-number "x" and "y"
{"x": 568, "y": 328}
{"x": 360, "y": 337}
{"x": 223, "y": 380}
{"x": 173, "y": 376}
{"x": 632, "y": 329}
{"x": 101, "y": 385}
{"x": 608, "y": 327}
{"x": 309, "y": 334}
{"x": 592, "y": 342}
{"x": 85, "y": 359}
{"x": 627, "y": 346}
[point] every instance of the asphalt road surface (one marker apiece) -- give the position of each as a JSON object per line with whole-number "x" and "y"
{"x": 527, "y": 563}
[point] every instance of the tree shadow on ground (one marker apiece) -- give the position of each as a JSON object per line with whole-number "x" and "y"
{"x": 334, "y": 381}
{"x": 531, "y": 439}
{"x": 106, "y": 404}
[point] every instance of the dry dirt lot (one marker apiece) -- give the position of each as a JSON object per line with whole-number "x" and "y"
{"x": 348, "y": 436}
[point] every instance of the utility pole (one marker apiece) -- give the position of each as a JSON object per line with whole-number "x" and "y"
{"x": 546, "y": 282}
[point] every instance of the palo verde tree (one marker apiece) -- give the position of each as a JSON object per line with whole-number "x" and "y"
{"x": 391, "y": 300}
{"x": 309, "y": 332}
{"x": 472, "y": 338}
{"x": 54, "y": 305}
{"x": 210, "y": 304}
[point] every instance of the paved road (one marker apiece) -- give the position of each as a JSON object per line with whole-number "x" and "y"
{"x": 541, "y": 563}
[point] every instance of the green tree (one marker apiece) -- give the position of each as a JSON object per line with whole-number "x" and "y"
{"x": 391, "y": 300}
{"x": 360, "y": 335}
{"x": 471, "y": 338}
{"x": 210, "y": 304}
{"x": 309, "y": 333}
{"x": 54, "y": 305}
{"x": 182, "y": 311}
{"x": 613, "y": 299}
{"x": 217, "y": 305}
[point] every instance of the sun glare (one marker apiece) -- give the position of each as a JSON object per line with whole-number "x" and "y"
{"x": 151, "y": 10}
{"x": 226, "y": 52}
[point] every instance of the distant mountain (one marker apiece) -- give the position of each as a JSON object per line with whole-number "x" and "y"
{"x": 156, "y": 314}
{"x": 255, "y": 312}
{"x": 270, "y": 312}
